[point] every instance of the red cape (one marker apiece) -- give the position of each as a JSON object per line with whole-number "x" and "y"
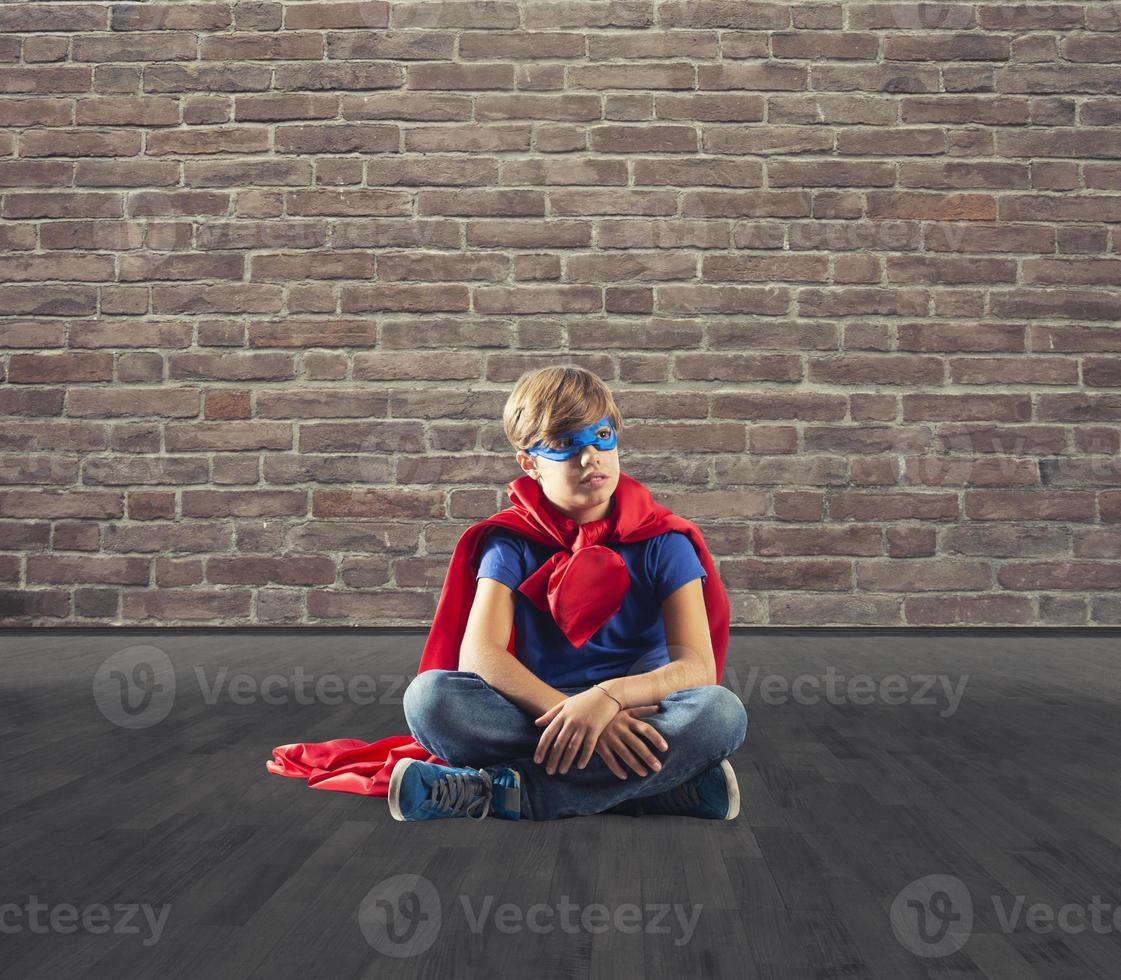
{"x": 582, "y": 584}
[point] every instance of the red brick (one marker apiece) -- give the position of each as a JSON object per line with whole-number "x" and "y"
{"x": 170, "y": 16}
{"x": 349, "y": 212}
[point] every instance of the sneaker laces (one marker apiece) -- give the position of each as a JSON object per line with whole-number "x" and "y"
{"x": 454, "y": 791}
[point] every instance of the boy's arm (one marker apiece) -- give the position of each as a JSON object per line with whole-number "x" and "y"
{"x": 692, "y": 663}
{"x": 483, "y": 651}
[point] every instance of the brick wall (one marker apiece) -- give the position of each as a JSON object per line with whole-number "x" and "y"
{"x": 270, "y": 269}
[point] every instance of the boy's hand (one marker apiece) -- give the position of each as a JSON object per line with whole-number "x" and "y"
{"x": 623, "y": 736}
{"x": 574, "y": 725}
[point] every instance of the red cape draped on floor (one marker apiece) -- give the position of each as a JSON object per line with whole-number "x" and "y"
{"x": 582, "y": 585}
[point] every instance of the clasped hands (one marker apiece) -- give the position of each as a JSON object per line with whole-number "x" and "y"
{"x": 592, "y": 721}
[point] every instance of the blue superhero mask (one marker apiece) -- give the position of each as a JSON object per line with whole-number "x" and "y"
{"x": 573, "y": 442}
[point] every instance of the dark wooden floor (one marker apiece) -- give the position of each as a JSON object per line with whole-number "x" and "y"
{"x": 1016, "y": 792}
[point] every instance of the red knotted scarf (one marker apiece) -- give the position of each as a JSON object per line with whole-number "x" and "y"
{"x": 582, "y": 584}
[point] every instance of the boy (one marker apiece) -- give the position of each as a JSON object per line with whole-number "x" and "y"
{"x": 603, "y": 638}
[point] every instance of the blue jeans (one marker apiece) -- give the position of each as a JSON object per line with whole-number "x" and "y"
{"x": 458, "y": 716}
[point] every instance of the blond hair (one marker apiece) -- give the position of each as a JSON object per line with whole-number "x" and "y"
{"x": 548, "y": 402}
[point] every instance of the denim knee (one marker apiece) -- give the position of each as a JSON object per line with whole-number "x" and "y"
{"x": 724, "y": 719}
{"x": 426, "y": 699}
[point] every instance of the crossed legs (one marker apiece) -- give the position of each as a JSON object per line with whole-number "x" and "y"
{"x": 457, "y": 716}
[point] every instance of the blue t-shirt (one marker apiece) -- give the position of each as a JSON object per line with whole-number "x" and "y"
{"x": 633, "y": 641}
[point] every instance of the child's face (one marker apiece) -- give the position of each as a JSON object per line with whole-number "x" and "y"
{"x": 562, "y": 480}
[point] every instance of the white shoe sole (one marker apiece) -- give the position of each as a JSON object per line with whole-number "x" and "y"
{"x": 395, "y": 779}
{"x": 729, "y": 781}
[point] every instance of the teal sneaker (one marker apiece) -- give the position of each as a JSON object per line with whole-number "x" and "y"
{"x": 427, "y": 791}
{"x": 712, "y": 794}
